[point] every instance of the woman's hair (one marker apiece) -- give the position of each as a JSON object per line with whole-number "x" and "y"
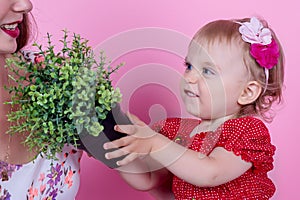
{"x": 26, "y": 31}
{"x": 228, "y": 31}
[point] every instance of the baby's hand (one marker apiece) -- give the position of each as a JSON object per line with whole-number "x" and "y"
{"x": 138, "y": 143}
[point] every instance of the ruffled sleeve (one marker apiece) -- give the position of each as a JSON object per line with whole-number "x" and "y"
{"x": 249, "y": 138}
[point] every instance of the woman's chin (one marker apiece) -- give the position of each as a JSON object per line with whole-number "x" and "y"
{"x": 8, "y": 47}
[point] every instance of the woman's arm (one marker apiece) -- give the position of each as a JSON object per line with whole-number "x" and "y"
{"x": 144, "y": 175}
{"x": 163, "y": 191}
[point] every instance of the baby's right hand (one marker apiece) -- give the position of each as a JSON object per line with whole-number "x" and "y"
{"x": 138, "y": 143}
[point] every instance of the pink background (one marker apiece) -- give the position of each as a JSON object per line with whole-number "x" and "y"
{"x": 99, "y": 20}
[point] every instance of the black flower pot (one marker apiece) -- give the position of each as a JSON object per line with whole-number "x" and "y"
{"x": 94, "y": 145}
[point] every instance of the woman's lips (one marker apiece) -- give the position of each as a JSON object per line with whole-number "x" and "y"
{"x": 11, "y": 29}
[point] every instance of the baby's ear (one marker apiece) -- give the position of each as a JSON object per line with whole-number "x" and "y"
{"x": 250, "y": 93}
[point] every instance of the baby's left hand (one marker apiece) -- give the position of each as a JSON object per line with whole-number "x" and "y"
{"x": 138, "y": 143}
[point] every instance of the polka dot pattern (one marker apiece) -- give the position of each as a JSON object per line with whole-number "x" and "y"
{"x": 247, "y": 137}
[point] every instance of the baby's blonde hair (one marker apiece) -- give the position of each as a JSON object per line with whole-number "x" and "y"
{"x": 228, "y": 31}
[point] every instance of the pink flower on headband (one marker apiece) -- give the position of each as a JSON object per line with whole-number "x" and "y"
{"x": 266, "y": 55}
{"x": 263, "y": 48}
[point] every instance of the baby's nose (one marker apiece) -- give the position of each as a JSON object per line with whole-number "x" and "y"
{"x": 191, "y": 77}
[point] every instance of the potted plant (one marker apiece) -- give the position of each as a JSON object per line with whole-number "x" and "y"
{"x": 65, "y": 97}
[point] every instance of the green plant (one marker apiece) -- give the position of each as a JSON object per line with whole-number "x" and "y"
{"x": 61, "y": 96}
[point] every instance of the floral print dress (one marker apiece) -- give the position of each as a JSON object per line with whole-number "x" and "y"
{"x": 42, "y": 178}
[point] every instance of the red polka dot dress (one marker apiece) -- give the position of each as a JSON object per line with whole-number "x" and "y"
{"x": 247, "y": 137}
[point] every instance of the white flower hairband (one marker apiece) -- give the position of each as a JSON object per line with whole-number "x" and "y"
{"x": 264, "y": 49}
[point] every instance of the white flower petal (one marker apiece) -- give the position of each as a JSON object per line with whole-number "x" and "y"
{"x": 256, "y": 24}
{"x": 248, "y": 35}
{"x": 266, "y": 36}
{"x": 245, "y": 30}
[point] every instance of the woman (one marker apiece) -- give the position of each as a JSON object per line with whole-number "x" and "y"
{"x": 24, "y": 173}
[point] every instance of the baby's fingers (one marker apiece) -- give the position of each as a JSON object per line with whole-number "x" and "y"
{"x": 115, "y": 154}
{"x": 136, "y": 131}
{"x": 117, "y": 143}
{"x": 127, "y": 129}
{"x": 131, "y": 157}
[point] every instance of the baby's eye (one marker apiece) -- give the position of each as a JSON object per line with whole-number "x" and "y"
{"x": 188, "y": 66}
{"x": 207, "y": 71}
